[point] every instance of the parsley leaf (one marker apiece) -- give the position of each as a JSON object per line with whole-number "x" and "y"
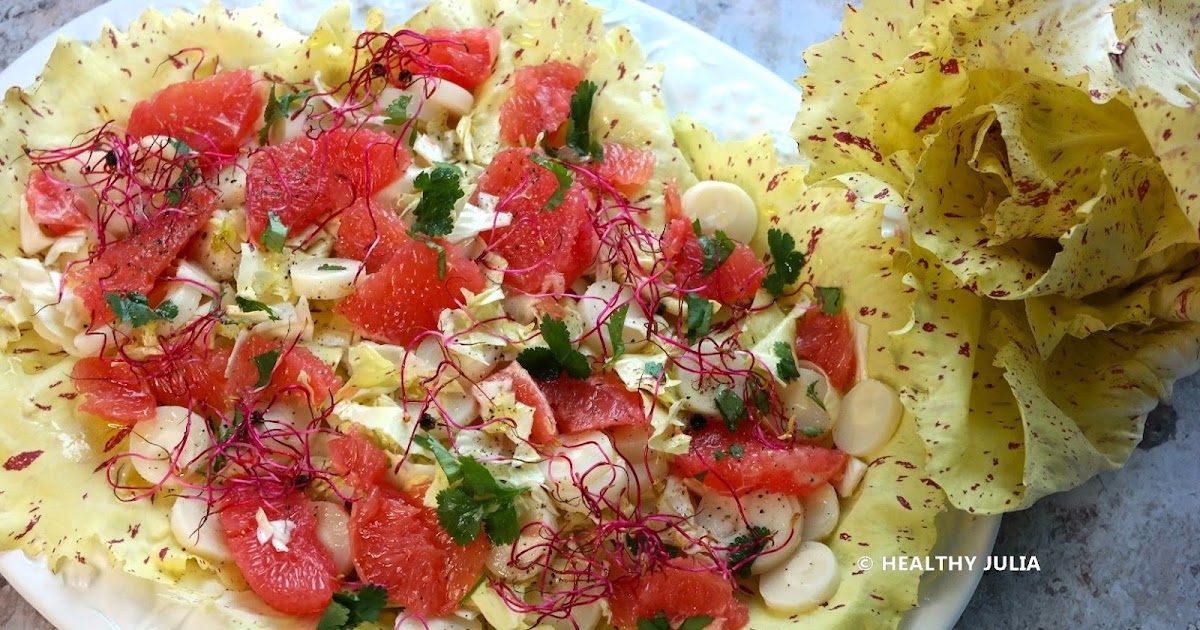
{"x": 561, "y": 173}
{"x": 616, "y": 330}
{"x": 276, "y": 233}
{"x": 699, "y": 316}
{"x": 475, "y": 498}
{"x": 134, "y": 308}
{"x": 265, "y": 364}
{"x": 731, "y": 406}
{"x": 329, "y": 267}
{"x": 348, "y": 610}
{"x": 440, "y": 189}
{"x": 746, "y": 547}
{"x": 278, "y": 108}
{"x": 812, "y": 394}
{"x": 579, "y": 135}
{"x": 249, "y": 306}
{"x": 397, "y": 111}
{"x": 786, "y": 366}
{"x": 559, "y": 355}
{"x": 787, "y": 262}
{"x": 831, "y": 300}
{"x": 660, "y": 622}
{"x": 716, "y": 248}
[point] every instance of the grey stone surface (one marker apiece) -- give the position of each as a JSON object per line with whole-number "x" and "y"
{"x": 1120, "y": 552}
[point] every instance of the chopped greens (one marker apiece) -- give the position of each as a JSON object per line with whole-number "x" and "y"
{"x": 396, "y": 112}
{"x": 746, "y": 548}
{"x": 348, "y": 610}
{"x": 474, "y": 500}
{"x": 831, "y": 300}
{"x": 787, "y": 262}
{"x": 660, "y": 622}
{"x": 265, "y": 364}
{"x": 812, "y": 394}
{"x": 699, "y": 316}
{"x": 278, "y": 108}
{"x": 275, "y": 235}
{"x": 716, "y": 248}
{"x": 190, "y": 175}
{"x": 731, "y": 406}
{"x": 548, "y": 363}
{"x": 616, "y": 330}
{"x": 249, "y": 306}
{"x": 786, "y": 366}
{"x": 440, "y": 189}
{"x": 329, "y": 267}
{"x": 579, "y": 135}
{"x": 561, "y": 173}
{"x": 134, "y": 309}
{"x": 653, "y": 368}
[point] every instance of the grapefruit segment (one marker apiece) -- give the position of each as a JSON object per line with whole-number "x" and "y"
{"x": 539, "y": 101}
{"x": 734, "y": 281}
{"x": 827, "y": 341}
{"x": 679, "y": 593}
{"x": 54, "y": 205}
{"x": 599, "y": 402}
{"x": 786, "y": 468}
{"x": 215, "y": 114}
{"x": 112, "y": 390}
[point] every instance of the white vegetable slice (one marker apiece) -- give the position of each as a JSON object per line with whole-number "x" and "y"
{"x": 722, "y": 206}
{"x": 720, "y": 517}
{"x": 584, "y": 617}
{"x": 868, "y": 417}
{"x": 198, "y": 529}
{"x": 333, "y": 530}
{"x": 804, "y": 412}
{"x": 325, "y": 278}
{"x": 586, "y": 469}
{"x": 697, "y": 387}
{"x": 807, "y": 580}
{"x": 821, "y": 512}
{"x": 851, "y": 477}
{"x": 169, "y": 444}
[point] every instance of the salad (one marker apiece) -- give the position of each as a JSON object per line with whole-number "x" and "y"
{"x": 443, "y": 326}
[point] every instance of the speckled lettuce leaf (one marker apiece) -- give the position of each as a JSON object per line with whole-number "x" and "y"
{"x": 628, "y": 108}
{"x": 893, "y": 512}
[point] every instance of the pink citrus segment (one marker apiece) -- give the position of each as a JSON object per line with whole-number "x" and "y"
{"x": 539, "y": 101}
{"x": 214, "y": 114}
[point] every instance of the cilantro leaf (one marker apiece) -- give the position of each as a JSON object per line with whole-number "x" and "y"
{"x": 134, "y": 308}
{"x": 660, "y": 622}
{"x": 787, "y": 262}
{"x": 443, "y": 456}
{"x": 579, "y": 134}
{"x": 786, "y": 366}
{"x": 561, "y": 173}
{"x": 435, "y": 246}
{"x": 275, "y": 235}
{"x": 249, "y": 306}
{"x": 731, "y": 406}
{"x": 348, "y": 610}
{"x": 502, "y": 525}
{"x": 699, "y": 622}
{"x": 746, "y": 547}
{"x": 812, "y": 394}
{"x": 278, "y": 107}
{"x": 831, "y": 300}
{"x": 716, "y": 248}
{"x": 329, "y": 267}
{"x": 616, "y": 330}
{"x": 559, "y": 355}
{"x": 812, "y": 432}
{"x": 474, "y": 500}
{"x": 760, "y": 397}
{"x": 459, "y": 514}
{"x": 397, "y": 111}
{"x": 699, "y": 316}
{"x": 188, "y": 177}
{"x": 440, "y": 190}
{"x": 265, "y": 364}
{"x": 737, "y": 451}
{"x": 653, "y": 368}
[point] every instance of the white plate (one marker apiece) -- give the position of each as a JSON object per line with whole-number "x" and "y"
{"x": 719, "y": 86}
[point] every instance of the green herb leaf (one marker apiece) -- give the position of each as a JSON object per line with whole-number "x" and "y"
{"x": 699, "y": 316}
{"x": 699, "y": 622}
{"x": 348, "y": 609}
{"x": 831, "y": 300}
{"x": 502, "y": 525}
{"x": 787, "y": 262}
{"x": 275, "y": 235}
{"x": 134, "y": 309}
{"x": 660, "y": 622}
{"x": 737, "y": 451}
{"x": 278, "y": 108}
{"x": 716, "y": 248}
{"x": 561, "y": 173}
{"x": 653, "y": 368}
{"x": 561, "y": 356}
{"x": 397, "y": 111}
{"x": 265, "y": 364}
{"x": 474, "y": 500}
{"x": 459, "y": 514}
{"x": 760, "y": 397}
{"x": 540, "y": 362}
{"x": 812, "y": 432}
{"x": 731, "y": 406}
{"x": 786, "y": 366}
{"x": 329, "y": 267}
{"x": 440, "y": 189}
{"x": 616, "y": 331}
{"x": 746, "y": 547}
{"x": 812, "y": 394}
{"x": 435, "y": 246}
{"x": 249, "y": 306}
{"x": 188, "y": 177}
{"x": 444, "y": 457}
{"x": 579, "y": 134}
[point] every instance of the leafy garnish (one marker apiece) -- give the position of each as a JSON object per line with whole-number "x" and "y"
{"x": 561, "y": 173}
{"x": 278, "y": 108}
{"x": 547, "y": 364}
{"x": 737, "y": 451}
{"x": 653, "y": 368}
{"x": 760, "y": 397}
{"x": 275, "y": 235}
{"x": 660, "y": 622}
{"x": 435, "y": 246}
{"x": 699, "y": 316}
{"x": 190, "y": 175}
{"x": 716, "y": 248}
{"x": 787, "y": 262}
{"x": 746, "y": 547}
{"x": 579, "y": 135}
{"x": 731, "y": 406}
{"x": 397, "y": 111}
{"x": 329, "y": 267}
{"x": 249, "y": 306}
{"x": 134, "y": 309}
{"x": 265, "y": 364}
{"x": 812, "y": 394}
{"x": 786, "y": 366}
{"x": 348, "y": 610}
{"x": 440, "y": 189}
{"x": 616, "y": 330}
{"x": 475, "y": 499}
{"x": 812, "y": 432}
{"x": 831, "y": 300}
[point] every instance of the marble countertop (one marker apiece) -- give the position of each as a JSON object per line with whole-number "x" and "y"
{"x": 1120, "y": 552}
